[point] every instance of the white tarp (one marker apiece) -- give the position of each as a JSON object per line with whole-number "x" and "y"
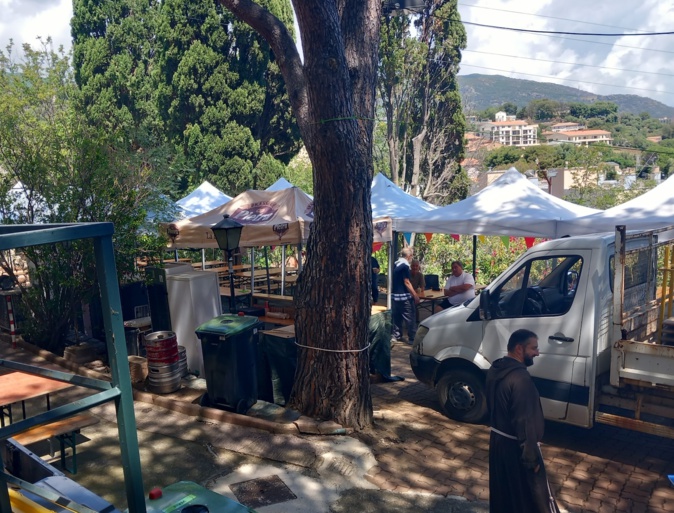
{"x": 204, "y": 198}
{"x": 511, "y": 205}
{"x": 389, "y": 200}
{"x": 652, "y": 209}
{"x": 279, "y": 185}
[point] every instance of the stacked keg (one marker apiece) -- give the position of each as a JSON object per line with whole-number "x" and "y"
{"x": 667, "y": 338}
{"x": 182, "y": 361}
{"x": 163, "y": 362}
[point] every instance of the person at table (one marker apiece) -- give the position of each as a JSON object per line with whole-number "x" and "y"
{"x": 417, "y": 277}
{"x": 459, "y": 288}
{"x": 375, "y": 275}
{"x": 404, "y": 297}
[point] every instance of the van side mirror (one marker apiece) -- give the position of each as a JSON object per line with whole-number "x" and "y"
{"x": 571, "y": 283}
{"x": 484, "y": 305}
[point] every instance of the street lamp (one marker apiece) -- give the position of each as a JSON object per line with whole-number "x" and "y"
{"x": 228, "y": 234}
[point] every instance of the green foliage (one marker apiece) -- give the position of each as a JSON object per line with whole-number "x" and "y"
{"x": 72, "y": 172}
{"x": 300, "y": 173}
{"x": 221, "y": 95}
{"x": 493, "y": 255}
{"x": 420, "y": 97}
{"x": 592, "y": 110}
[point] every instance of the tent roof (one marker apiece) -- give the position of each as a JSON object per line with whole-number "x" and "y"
{"x": 389, "y": 200}
{"x": 269, "y": 218}
{"x": 652, "y": 209}
{"x": 511, "y": 205}
{"x": 279, "y": 185}
{"x": 202, "y": 199}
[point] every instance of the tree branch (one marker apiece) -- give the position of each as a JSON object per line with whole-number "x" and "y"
{"x": 285, "y": 51}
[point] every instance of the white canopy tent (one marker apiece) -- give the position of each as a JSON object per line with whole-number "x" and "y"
{"x": 389, "y": 200}
{"x": 652, "y": 209}
{"x": 269, "y": 218}
{"x": 279, "y": 185}
{"x": 202, "y": 199}
{"x": 511, "y": 205}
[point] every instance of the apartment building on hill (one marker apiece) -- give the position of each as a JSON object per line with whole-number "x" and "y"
{"x": 510, "y": 133}
{"x": 580, "y": 137}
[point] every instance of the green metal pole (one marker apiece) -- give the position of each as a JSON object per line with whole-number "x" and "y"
{"x": 119, "y": 368}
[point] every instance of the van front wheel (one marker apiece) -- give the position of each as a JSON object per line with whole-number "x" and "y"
{"x": 461, "y": 395}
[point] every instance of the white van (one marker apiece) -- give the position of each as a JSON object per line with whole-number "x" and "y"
{"x": 562, "y": 291}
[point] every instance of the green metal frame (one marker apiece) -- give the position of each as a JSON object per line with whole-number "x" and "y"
{"x": 119, "y": 390}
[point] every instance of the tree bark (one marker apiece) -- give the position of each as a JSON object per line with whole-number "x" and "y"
{"x": 333, "y": 97}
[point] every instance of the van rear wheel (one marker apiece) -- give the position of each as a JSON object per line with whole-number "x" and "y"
{"x": 462, "y": 397}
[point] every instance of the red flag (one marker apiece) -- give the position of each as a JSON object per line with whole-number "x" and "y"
{"x": 429, "y": 236}
{"x": 455, "y": 237}
{"x": 529, "y": 241}
{"x": 376, "y": 246}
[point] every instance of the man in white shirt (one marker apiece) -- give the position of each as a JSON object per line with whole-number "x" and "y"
{"x": 459, "y": 288}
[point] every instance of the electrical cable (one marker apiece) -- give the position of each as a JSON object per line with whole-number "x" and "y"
{"x": 598, "y": 34}
{"x": 571, "y": 63}
{"x": 542, "y": 16}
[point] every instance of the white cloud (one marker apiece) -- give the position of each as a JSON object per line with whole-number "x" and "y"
{"x": 26, "y": 20}
{"x": 635, "y": 61}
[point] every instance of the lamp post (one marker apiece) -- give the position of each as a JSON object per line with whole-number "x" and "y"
{"x": 228, "y": 234}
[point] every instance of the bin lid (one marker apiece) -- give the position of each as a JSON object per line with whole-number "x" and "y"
{"x": 227, "y": 324}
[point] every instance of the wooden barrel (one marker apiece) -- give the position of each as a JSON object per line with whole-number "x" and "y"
{"x": 161, "y": 348}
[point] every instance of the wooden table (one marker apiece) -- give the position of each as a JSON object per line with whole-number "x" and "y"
{"x": 259, "y": 273}
{"x": 209, "y": 264}
{"x": 227, "y": 292}
{"x": 429, "y": 298}
{"x": 21, "y": 386}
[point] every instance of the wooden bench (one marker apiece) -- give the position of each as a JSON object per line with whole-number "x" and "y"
{"x": 64, "y": 430}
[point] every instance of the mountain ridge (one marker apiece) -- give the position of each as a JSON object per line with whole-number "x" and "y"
{"x": 482, "y": 91}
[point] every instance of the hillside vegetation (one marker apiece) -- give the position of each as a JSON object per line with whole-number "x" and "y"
{"x": 480, "y": 92}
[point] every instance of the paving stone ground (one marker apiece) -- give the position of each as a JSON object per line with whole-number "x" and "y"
{"x": 417, "y": 450}
{"x": 605, "y": 469}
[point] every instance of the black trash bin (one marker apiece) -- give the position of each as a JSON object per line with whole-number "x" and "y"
{"x": 229, "y": 347}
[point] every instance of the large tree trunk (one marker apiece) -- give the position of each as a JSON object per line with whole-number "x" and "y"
{"x": 333, "y": 95}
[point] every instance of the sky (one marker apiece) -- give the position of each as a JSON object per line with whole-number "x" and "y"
{"x": 619, "y": 65}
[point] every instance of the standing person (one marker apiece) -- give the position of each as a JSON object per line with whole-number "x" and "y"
{"x": 459, "y": 288}
{"x": 517, "y": 479}
{"x": 417, "y": 277}
{"x": 375, "y": 275}
{"x": 404, "y": 298}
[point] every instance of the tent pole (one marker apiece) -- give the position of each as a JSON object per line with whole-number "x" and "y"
{"x": 393, "y": 251}
{"x": 252, "y": 269}
{"x": 283, "y": 269}
{"x": 203, "y": 259}
{"x": 475, "y": 258}
{"x": 266, "y": 263}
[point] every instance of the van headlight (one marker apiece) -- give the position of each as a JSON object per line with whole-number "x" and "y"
{"x": 418, "y": 346}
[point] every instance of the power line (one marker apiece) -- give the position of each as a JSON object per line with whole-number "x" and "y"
{"x": 567, "y": 79}
{"x": 543, "y": 16}
{"x": 599, "y": 34}
{"x": 571, "y": 63}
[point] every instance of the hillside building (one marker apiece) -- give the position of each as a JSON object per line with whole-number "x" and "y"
{"x": 510, "y": 133}
{"x": 580, "y": 137}
{"x": 567, "y": 127}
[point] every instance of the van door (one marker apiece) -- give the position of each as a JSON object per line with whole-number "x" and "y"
{"x": 545, "y": 295}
